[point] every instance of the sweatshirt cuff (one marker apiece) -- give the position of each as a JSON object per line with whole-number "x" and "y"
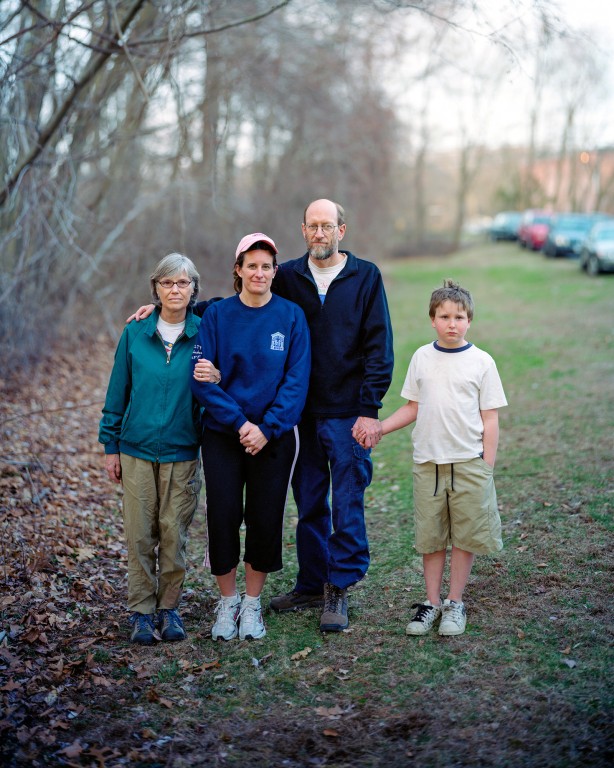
{"x": 369, "y": 412}
{"x": 266, "y": 431}
{"x": 239, "y": 422}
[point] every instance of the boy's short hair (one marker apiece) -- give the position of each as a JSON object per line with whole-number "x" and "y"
{"x": 451, "y": 291}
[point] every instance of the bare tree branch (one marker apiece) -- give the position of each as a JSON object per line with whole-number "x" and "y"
{"x": 214, "y": 30}
{"x": 137, "y": 74}
{"x": 88, "y": 75}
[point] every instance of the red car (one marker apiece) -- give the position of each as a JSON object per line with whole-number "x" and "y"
{"x": 534, "y": 228}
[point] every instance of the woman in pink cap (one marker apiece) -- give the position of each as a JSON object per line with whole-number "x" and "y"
{"x": 260, "y": 345}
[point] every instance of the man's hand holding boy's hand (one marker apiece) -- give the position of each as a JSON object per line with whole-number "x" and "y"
{"x": 367, "y": 432}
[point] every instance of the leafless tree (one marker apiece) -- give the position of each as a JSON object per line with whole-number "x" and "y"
{"x": 131, "y": 128}
{"x": 79, "y": 85}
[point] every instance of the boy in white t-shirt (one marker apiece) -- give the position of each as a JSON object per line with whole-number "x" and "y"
{"x": 453, "y": 391}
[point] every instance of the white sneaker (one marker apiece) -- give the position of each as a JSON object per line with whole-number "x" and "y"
{"x": 227, "y": 610}
{"x": 251, "y": 625}
{"x": 453, "y": 618}
{"x": 426, "y": 615}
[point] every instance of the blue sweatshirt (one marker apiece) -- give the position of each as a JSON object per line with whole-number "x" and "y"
{"x": 351, "y": 336}
{"x": 263, "y": 354}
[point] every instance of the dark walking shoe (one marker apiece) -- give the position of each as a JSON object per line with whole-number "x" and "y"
{"x": 144, "y": 631}
{"x": 335, "y": 615}
{"x": 170, "y": 625}
{"x": 296, "y": 601}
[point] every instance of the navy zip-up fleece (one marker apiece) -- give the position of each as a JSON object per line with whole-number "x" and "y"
{"x": 351, "y": 336}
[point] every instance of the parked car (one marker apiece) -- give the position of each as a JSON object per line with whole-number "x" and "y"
{"x": 597, "y": 254}
{"x": 567, "y": 232}
{"x": 505, "y": 226}
{"x": 533, "y": 229}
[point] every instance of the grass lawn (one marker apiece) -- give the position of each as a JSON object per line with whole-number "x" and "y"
{"x": 528, "y": 684}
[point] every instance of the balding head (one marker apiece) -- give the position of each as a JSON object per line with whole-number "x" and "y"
{"x": 323, "y": 228}
{"x": 325, "y": 207}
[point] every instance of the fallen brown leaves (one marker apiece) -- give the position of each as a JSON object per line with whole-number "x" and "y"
{"x": 63, "y": 652}
{"x": 59, "y": 551}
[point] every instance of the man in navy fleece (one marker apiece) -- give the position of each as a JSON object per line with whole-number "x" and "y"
{"x": 345, "y": 304}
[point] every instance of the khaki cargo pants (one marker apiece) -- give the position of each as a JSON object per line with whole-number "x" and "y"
{"x": 158, "y": 508}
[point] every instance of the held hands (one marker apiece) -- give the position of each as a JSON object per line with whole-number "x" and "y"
{"x": 113, "y": 467}
{"x": 367, "y": 432}
{"x": 252, "y": 438}
{"x": 141, "y": 313}
{"x": 205, "y": 371}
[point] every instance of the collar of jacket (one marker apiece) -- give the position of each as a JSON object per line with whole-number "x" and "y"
{"x": 351, "y": 267}
{"x": 190, "y": 330}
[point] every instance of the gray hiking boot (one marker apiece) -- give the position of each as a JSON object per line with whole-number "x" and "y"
{"x": 335, "y": 615}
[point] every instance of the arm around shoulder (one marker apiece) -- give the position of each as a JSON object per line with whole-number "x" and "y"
{"x": 142, "y": 312}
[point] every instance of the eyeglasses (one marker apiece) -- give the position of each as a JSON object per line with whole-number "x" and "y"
{"x": 181, "y": 284}
{"x": 326, "y": 228}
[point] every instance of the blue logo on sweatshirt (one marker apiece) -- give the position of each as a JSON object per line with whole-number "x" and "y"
{"x": 277, "y": 341}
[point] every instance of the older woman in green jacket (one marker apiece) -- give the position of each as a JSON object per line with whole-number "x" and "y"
{"x": 150, "y": 430}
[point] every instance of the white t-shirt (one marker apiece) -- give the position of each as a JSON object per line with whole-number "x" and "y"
{"x": 324, "y": 276}
{"x": 451, "y": 387}
{"x": 169, "y": 332}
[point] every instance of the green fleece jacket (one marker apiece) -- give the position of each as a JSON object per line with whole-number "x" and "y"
{"x": 149, "y": 411}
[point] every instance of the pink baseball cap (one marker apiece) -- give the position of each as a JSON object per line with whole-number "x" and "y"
{"x": 255, "y": 237}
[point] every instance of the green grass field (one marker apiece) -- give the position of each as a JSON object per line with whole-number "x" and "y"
{"x": 528, "y": 684}
{"x": 530, "y": 681}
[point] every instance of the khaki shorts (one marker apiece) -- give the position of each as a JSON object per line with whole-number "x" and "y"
{"x": 457, "y": 504}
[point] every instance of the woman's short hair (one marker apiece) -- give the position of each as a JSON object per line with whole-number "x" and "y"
{"x": 169, "y": 266}
{"x": 261, "y": 245}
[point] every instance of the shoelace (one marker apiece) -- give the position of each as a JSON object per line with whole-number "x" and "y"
{"x": 253, "y": 607}
{"x": 333, "y": 595}
{"x": 453, "y": 611}
{"x": 423, "y": 611}
{"x": 143, "y": 621}
{"x": 171, "y": 618}
{"x": 228, "y": 607}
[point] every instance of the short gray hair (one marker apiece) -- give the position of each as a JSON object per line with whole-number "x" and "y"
{"x": 174, "y": 264}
